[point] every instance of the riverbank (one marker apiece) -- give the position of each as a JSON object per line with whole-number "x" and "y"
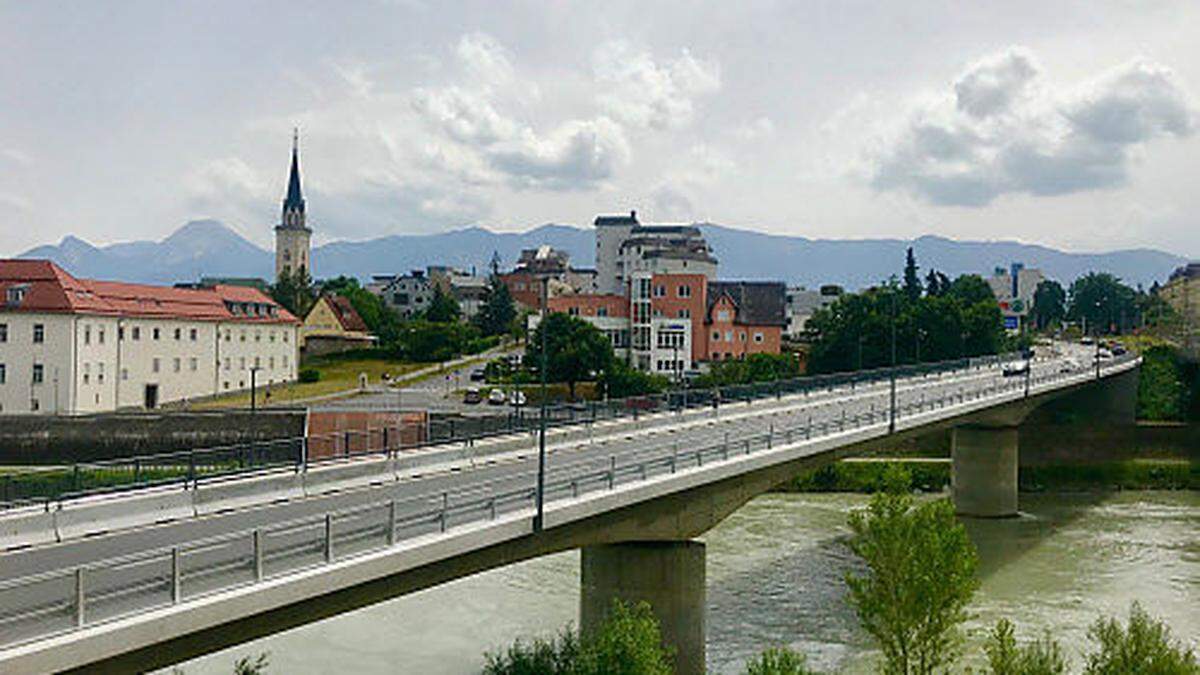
{"x": 933, "y": 475}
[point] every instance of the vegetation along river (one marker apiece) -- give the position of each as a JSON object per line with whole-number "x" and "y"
{"x": 775, "y": 571}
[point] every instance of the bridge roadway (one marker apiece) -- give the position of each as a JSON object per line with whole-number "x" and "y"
{"x": 125, "y": 573}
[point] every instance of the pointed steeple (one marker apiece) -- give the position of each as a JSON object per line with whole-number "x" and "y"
{"x": 293, "y": 203}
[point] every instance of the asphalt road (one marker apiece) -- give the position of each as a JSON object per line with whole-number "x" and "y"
{"x": 294, "y": 530}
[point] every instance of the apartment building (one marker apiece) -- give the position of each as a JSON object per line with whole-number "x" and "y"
{"x": 70, "y": 345}
{"x": 625, "y": 247}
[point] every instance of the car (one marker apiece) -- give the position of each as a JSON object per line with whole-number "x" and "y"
{"x": 496, "y": 397}
{"x": 1016, "y": 368}
{"x": 472, "y": 397}
{"x": 1118, "y": 350}
{"x": 477, "y": 375}
{"x": 516, "y": 398}
{"x": 1104, "y": 355}
{"x": 1068, "y": 366}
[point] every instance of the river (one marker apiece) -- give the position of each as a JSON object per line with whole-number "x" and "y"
{"x": 775, "y": 571}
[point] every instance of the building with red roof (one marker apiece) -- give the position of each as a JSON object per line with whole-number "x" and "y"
{"x": 333, "y": 325}
{"x": 70, "y": 345}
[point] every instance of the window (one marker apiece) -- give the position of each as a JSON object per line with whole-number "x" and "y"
{"x": 39, "y": 333}
{"x": 193, "y": 364}
{"x": 154, "y": 366}
{"x": 124, "y": 373}
{"x": 228, "y": 362}
{"x": 226, "y": 384}
{"x": 729, "y": 336}
{"x": 39, "y": 373}
{"x": 227, "y": 334}
{"x": 601, "y": 311}
{"x": 660, "y": 291}
{"x": 175, "y": 365}
{"x": 716, "y": 336}
{"x": 758, "y": 337}
{"x": 685, "y": 291}
{"x": 178, "y": 334}
{"x": 137, "y": 332}
{"x": 100, "y": 372}
{"x": 87, "y": 335}
{"x": 271, "y": 363}
{"x": 156, "y": 333}
{"x": 34, "y": 405}
{"x": 723, "y": 315}
{"x": 271, "y": 336}
{"x": 3, "y": 373}
{"x": 3, "y": 332}
{"x": 192, "y": 334}
{"x": 685, "y": 313}
{"x": 258, "y": 337}
{"x": 573, "y": 311}
{"x": 87, "y": 372}
{"x": 120, "y": 333}
{"x": 242, "y": 337}
{"x": 100, "y": 335}
{"x": 742, "y": 335}
{"x": 257, "y": 362}
{"x": 285, "y": 336}
{"x": 242, "y": 363}
{"x": 400, "y": 299}
{"x": 285, "y": 358}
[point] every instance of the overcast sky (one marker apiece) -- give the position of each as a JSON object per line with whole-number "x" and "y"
{"x": 1073, "y": 124}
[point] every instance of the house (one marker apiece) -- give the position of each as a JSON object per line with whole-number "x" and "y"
{"x": 70, "y": 345}
{"x": 331, "y": 326}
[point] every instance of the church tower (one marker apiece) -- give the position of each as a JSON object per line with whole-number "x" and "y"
{"x": 292, "y": 235}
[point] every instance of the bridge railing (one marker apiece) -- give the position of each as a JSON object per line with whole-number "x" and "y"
{"x": 60, "y": 601}
{"x": 47, "y": 486}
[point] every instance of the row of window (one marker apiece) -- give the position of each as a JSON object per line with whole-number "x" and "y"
{"x": 669, "y": 365}
{"x": 600, "y": 311}
{"x": 193, "y": 364}
{"x": 39, "y": 333}
{"x": 716, "y": 336}
{"x": 684, "y": 313}
{"x": 682, "y": 291}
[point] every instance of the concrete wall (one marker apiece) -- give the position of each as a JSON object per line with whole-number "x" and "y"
{"x": 43, "y": 439}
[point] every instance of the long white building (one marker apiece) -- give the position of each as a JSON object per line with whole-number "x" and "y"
{"x": 71, "y": 345}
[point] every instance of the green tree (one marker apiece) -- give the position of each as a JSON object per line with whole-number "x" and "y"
{"x": 379, "y": 318}
{"x": 1107, "y": 305}
{"x": 443, "y": 308}
{"x": 294, "y": 291}
{"x": 575, "y": 350}
{"x": 536, "y": 657}
{"x": 1049, "y": 304}
{"x": 1006, "y": 657}
{"x": 779, "y": 661}
{"x": 920, "y": 576}
{"x": 621, "y": 380}
{"x": 971, "y": 289}
{"x": 1144, "y": 647}
{"x": 498, "y": 311}
{"x": 1162, "y": 393}
{"x": 251, "y": 666}
{"x": 912, "y": 279}
{"x": 936, "y": 283}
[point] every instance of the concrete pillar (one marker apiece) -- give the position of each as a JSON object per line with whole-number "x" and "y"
{"x": 983, "y": 473}
{"x": 667, "y": 574}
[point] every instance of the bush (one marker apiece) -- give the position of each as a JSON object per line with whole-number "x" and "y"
{"x": 1144, "y": 647}
{"x": 251, "y": 666}
{"x": 621, "y": 380}
{"x": 779, "y": 661}
{"x": 309, "y": 375}
{"x": 1006, "y": 657}
{"x": 536, "y": 657}
{"x": 1162, "y": 393}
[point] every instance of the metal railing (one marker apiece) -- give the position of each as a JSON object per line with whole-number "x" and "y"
{"x": 58, "y": 601}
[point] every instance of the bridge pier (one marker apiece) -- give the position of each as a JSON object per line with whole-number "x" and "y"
{"x": 669, "y": 575}
{"x": 983, "y": 471}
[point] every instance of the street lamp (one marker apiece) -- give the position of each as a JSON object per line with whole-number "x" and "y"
{"x": 541, "y": 474}
{"x": 892, "y": 371}
{"x": 253, "y": 388}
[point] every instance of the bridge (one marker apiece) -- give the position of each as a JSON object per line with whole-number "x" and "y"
{"x": 144, "y": 579}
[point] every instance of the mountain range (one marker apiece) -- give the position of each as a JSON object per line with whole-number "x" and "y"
{"x": 209, "y": 248}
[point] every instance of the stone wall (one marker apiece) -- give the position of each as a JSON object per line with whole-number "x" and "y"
{"x": 43, "y": 439}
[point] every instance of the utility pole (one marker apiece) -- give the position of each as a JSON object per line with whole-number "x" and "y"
{"x": 253, "y": 388}
{"x": 892, "y": 417}
{"x": 541, "y": 474}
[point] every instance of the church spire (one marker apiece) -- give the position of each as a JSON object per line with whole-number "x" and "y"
{"x": 293, "y": 204}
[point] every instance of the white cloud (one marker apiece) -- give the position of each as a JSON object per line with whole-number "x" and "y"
{"x": 1006, "y": 131}
{"x": 485, "y": 59}
{"x": 636, "y": 89}
{"x": 467, "y": 116}
{"x": 756, "y": 130}
{"x": 578, "y": 154}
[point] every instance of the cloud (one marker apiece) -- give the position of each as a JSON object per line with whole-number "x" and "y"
{"x": 636, "y": 89}
{"x": 1006, "y": 131}
{"x": 576, "y": 155}
{"x": 755, "y": 130}
{"x": 466, "y": 116}
{"x": 485, "y": 59}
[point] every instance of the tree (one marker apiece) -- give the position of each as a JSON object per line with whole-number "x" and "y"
{"x": 1144, "y": 647}
{"x": 779, "y": 661}
{"x": 294, "y": 291}
{"x": 443, "y": 308}
{"x": 972, "y": 289}
{"x": 1103, "y": 302}
{"x": 912, "y": 281}
{"x": 498, "y": 311}
{"x": 920, "y": 576}
{"x": 1006, "y": 657}
{"x": 379, "y": 318}
{"x": 575, "y": 350}
{"x": 1049, "y": 304}
{"x": 627, "y": 643}
{"x": 621, "y": 380}
{"x": 936, "y": 283}
{"x": 535, "y": 657}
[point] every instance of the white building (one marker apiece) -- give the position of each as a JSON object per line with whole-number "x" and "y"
{"x": 802, "y": 302}
{"x": 72, "y": 345}
{"x": 1014, "y": 289}
{"x": 625, "y": 247}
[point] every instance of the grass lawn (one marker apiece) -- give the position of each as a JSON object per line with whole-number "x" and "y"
{"x": 337, "y": 374}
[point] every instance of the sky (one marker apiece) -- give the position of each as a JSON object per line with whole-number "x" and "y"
{"x": 1070, "y": 124}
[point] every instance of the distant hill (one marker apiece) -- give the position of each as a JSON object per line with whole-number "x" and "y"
{"x": 209, "y": 248}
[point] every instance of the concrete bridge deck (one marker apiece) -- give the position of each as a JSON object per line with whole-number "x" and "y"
{"x": 153, "y": 595}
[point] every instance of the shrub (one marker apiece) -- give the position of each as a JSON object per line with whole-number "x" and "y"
{"x": 1006, "y": 657}
{"x": 1144, "y": 647}
{"x": 779, "y": 661}
{"x": 920, "y": 576}
{"x": 536, "y": 657}
{"x": 251, "y": 666}
{"x": 309, "y": 375}
{"x": 627, "y": 643}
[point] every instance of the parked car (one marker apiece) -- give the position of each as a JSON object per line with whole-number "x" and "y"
{"x": 516, "y": 398}
{"x": 472, "y": 397}
{"x": 1069, "y": 366}
{"x": 496, "y": 397}
{"x": 1118, "y": 350}
{"x": 477, "y": 375}
{"x": 1016, "y": 368}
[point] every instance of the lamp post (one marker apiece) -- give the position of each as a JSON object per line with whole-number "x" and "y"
{"x": 541, "y": 473}
{"x": 1096, "y": 332}
{"x": 253, "y": 388}
{"x": 892, "y": 371}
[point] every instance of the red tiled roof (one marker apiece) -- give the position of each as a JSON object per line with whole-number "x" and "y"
{"x": 51, "y": 289}
{"x": 346, "y": 314}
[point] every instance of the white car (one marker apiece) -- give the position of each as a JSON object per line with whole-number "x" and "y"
{"x": 496, "y": 397}
{"x": 516, "y": 398}
{"x": 1016, "y": 368}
